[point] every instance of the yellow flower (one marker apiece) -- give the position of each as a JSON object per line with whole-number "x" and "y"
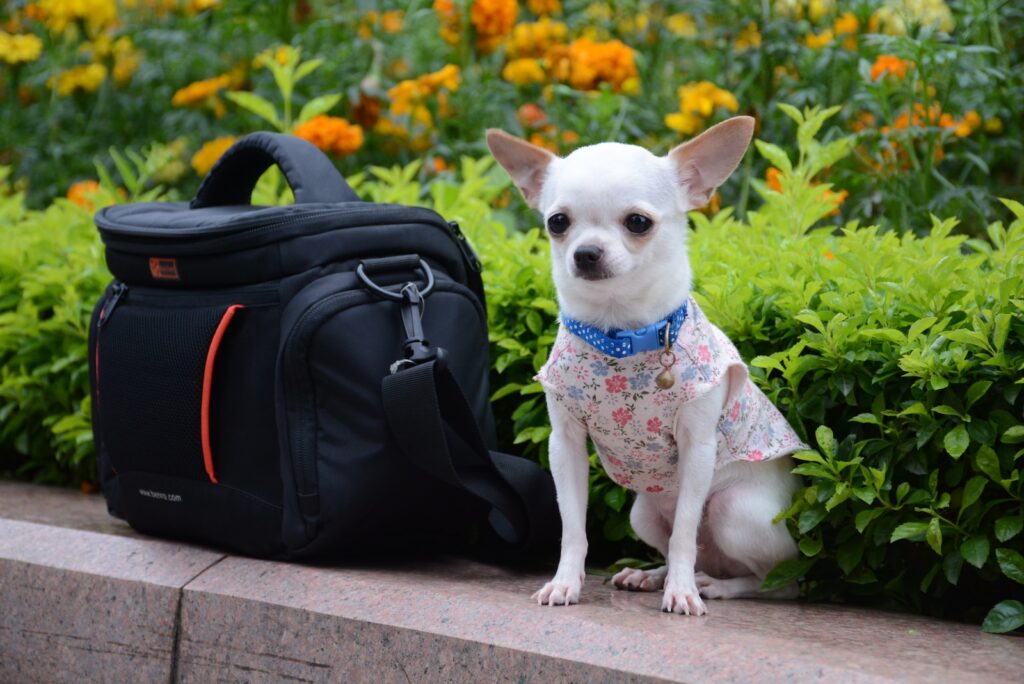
{"x": 697, "y": 102}
{"x": 407, "y": 95}
{"x": 816, "y": 41}
{"x": 331, "y": 134}
{"x": 969, "y": 124}
{"x": 846, "y": 23}
{"x": 536, "y": 38}
{"x": 200, "y": 91}
{"x": 814, "y": 10}
{"x": 893, "y": 16}
{"x": 492, "y": 20}
{"x": 208, "y": 154}
{"x": 817, "y": 9}
{"x": 19, "y": 49}
{"x": 542, "y": 7}
{"x": 598, "y": 12}
{"x": 994, "y": 125}
{"x": 197, "y": 6}
{"x": 682, "y": 25}
{"x": 523, "y": 71}
{"x": 451, "y": 22}
{"x": 748, "y": 38}
{"x": 126, "y": 60}
{"x": 96, "y": 15}
{"x": 87, "y": 78}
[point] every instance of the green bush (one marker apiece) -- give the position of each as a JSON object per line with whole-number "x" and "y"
{"x": 909, "y": 349}
{"x": 51, "y": 275}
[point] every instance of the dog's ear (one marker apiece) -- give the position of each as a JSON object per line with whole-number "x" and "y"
{"x": 702, "y": 164}
{"x": 525, "y": 162}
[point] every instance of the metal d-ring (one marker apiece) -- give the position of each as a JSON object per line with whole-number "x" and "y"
{"x": 391, "y": 294}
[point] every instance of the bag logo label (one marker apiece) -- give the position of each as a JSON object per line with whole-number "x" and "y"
{"x": 163, "y": 496}
{"x": 164, "y": 268}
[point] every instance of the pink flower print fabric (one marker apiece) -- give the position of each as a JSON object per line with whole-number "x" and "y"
{"x": 630, "y": 419}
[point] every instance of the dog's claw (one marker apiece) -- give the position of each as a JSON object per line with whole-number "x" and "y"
{"x": 684, "y": 601}
{"x": 558, "y": 593}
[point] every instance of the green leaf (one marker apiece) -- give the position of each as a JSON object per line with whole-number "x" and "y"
{"x": 1005, "y": 616}
{"x": 787, "y": 572}
{"x": 1011, "y": 563}
{"x": 919, "y": 326}
{"x": 977, "y": 391}
{"x": 934, "y": 536}
{"x": 317, "y": 106}
{"x": 810, "y": 546}
{"x": 864, "y": 518}
{"x": 952, "y": 564}
{"x": 975, "y": 550}
{"x": 257, "y": 105}
{"x": 849, "y": 554}
{"x": 957, "y": 441}
{"x": 1009, "y": 527}
{"x": 1014, "y": 435}
{"x": 988, "y": 462}
{"x": 305, "y": 69}
{"x": 826, "y": 441}
{"x": 972, "y": 491}
{"x": 775, "y": 155}
{"x": 909, "y": 530}
{"x": 615, "y": 498}
{"x": 810, "y": 518}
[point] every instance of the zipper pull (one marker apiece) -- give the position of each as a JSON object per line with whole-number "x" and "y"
{"x": 464, "y": 246}
{"x": 117, "y": 292}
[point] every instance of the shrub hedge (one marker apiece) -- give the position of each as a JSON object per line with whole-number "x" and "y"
{"x": 901, "y": 357}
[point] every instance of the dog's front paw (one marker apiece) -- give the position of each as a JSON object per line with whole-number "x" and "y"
{"x": 633, "y": 579}
{"x": 682, "y": 598}
{"x": 559, "y": 592}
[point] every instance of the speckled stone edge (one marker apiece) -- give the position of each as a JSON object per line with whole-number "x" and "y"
{"x": 84, "y": 598}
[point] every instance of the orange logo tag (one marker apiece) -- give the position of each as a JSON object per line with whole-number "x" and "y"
{"x": 163, "y": 268}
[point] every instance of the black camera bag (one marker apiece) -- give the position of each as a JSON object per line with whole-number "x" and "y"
{"x": 300, "y": 381}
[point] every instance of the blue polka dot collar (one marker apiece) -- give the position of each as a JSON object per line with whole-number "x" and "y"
{"x": 622, "y": 343}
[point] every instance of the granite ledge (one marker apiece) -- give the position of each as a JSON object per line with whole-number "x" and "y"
{"x": 174, "y": 612}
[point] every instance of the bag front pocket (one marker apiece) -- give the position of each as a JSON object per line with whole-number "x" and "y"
{"x": 185, "y": 385}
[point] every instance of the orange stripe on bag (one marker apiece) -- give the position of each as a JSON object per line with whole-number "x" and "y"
{"x": 211, "y": 356}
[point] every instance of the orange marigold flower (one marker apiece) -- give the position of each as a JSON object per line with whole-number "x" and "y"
{"x": 592, "y": 63}
{"x": 828, "y": 254}
{"x": 748, "y": 38}
{"x": 889, "y": 64}
{"x": 81, "y": 193}
{"x": 493, "y": 20}
{"x": 331, "y": 134}
{"x": 204, "y": 159}
{"x": 531, "y": 115}
{"x": 392, "y": 21}
{"x": 535, "y": 39}
{"x": 200, "y": 91}
{"x": 816, "y": 41}
{"x": 837, "y": 199}
{"x": 771, "y": 178}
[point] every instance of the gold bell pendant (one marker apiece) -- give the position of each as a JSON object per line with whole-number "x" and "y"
{"x": 666, "y": 378}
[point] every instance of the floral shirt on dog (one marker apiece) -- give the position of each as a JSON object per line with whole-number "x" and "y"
{"x": 630, "y": 419}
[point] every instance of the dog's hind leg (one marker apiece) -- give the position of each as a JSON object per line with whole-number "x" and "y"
{"x": 739, "y": 522}
{"x": 653, "y": 529}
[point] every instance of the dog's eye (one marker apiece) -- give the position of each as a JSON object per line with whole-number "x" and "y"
{"x": 558, "y": 224}
{"x": 638, "y": 223}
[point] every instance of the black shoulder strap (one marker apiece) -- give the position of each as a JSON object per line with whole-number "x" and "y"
{"x": 434, "y": 426}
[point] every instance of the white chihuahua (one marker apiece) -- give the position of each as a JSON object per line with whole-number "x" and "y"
{"x": 661, "y": 391}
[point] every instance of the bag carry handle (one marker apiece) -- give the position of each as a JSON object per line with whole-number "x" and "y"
{"x": 311, "y": 175}
{"x": 431, "y": 420}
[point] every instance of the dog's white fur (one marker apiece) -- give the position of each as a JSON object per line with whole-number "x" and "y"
{"x": 717, "y": 534}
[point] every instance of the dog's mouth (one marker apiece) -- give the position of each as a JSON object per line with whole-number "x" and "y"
{"x": 594, "y": 275}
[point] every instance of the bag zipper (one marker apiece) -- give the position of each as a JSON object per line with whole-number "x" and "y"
{"x": 467, "y": 250}
{"x": 118, "y": 290}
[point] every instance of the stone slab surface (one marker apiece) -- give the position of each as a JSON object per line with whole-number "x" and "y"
{"x": 82, "y": 606}
{"x": 83, "y": 598}
{"x": 463, "y": 622}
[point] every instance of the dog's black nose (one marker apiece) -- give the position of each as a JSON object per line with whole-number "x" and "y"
{"x": 588, "y": 257}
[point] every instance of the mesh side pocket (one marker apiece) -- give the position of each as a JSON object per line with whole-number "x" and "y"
{"x": 151, "y": 386}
